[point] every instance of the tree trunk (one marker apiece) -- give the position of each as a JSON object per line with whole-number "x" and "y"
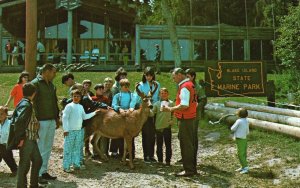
{"x": 288, "y": 120}
{"x": 260, "y": 108}
{"x": 167, "y": 14}
{"x": 280, "y": 128}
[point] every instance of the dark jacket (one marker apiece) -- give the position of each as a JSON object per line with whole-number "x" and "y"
{"x": 19, "y": 123}
{"x": 45, "y": 101}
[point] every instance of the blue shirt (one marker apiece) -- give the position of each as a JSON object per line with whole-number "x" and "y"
{"x": 4, "y": 131}
{"x": 124, "y": 100}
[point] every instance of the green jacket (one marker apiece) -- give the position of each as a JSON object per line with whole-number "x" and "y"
{"x": 45, "y": 101}
{"x": 162, "y": 118}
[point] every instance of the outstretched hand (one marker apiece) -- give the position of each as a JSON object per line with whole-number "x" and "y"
{"x": 66, "y": 134}
{"x": 98, "y": 111}
{"x": 21, "y": 143}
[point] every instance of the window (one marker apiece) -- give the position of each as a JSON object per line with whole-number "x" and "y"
{"x": 238, "y": 50}
{"x": 212, "y": 49}
{"x": 226, "y": 47}
{"x": 255, "y": 50}
{"x": 199, "y": 50}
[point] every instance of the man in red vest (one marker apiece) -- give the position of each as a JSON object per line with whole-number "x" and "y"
{"x": 185, "y": 112}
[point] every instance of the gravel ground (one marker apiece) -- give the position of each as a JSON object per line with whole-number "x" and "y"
{"x": 112, "y": 173}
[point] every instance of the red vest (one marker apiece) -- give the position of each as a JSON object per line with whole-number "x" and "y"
{"x": 189, "y": 112}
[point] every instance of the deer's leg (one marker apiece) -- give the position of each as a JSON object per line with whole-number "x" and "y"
{"x": 97, "y": 137}
{"x": 124, "y": 152}
{"x": 87, "y": 142}
{"x": 128, "y": 141}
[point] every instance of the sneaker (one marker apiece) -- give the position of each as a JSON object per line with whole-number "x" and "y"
{"x": 47, "y": 176}
{"x": 114, "y": 155}
{"x": 147, "y": 160}
{"x": 239, "y": 169}
{"x": 42, "y": 181}
{"x": 152, "y": 160}
{"x": 81, "y": 167}
{"x": 96, "y": 157}
{"x": 68, "y": 170}
{"x": 244, "y": 170}
{"x": 179, "y": 161}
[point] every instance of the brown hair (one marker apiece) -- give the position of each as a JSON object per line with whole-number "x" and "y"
{"x": 242, "y": 112}
{"x": 119, "y": 72}
{"x": 23, "y": 74}
{"x": 124, "y": 82}
{"x": 108, "y": 79}
{"x": 164, "y": 89}
{"x": 76, "y": 91}
{"x": 87, "y": 82}
{"x": 5, "y": 109}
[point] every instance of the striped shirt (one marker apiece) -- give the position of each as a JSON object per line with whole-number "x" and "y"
{"x": 32, "y": 131}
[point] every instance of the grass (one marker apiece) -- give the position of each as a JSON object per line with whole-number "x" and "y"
{"x": 217, "y": 170}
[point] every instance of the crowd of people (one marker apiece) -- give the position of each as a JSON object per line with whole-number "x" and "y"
{"x": 36, "y": 117}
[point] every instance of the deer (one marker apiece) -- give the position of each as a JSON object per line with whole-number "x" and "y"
{"x": 126, "y": 125}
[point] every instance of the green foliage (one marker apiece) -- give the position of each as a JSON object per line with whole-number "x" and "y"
{"x": 288, "y": 43}
{"x": 288, "y": 82}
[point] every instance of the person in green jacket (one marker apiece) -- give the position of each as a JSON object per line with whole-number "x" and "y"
{"x": 163, "y": 123}
{"x": 47, "y": 112}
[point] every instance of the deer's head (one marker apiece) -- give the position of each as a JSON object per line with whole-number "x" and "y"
{"x": 146, "y": 98}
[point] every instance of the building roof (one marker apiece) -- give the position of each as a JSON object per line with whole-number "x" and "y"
{"x": 14, "y": 13}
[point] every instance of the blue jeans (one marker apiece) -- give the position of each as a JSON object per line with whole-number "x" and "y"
{"x": 45, "y": 142}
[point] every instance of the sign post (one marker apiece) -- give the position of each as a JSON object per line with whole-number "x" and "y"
{"x": 227, "y": 79}
{"x": 69, "y": 5}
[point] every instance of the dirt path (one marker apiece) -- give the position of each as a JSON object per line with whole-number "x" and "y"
{"x": 112, "y": 173}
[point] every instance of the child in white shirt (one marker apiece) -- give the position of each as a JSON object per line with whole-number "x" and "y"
{"x": 73, "y": 116}
{"x": 241, "y": 130}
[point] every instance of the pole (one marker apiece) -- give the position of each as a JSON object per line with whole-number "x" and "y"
{"x": 1, "y": 55}
{"x": 247, "y": 41}
{"x": 31, "y": 37}
{"x": 219, "y": 27}
{"x": 70, "y": 35}
{"x": 137, "y": 46}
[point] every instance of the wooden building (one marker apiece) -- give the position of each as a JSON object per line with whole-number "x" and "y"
{"x": 108, "y": 26}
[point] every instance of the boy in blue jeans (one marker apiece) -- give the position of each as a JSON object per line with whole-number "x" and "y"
{"x": 163, "y": 123}
{"x": 23, "y": 135}
{"x": 124, "y": 102}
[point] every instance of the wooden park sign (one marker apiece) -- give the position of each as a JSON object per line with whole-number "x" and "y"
{"x": 235, "y": 79}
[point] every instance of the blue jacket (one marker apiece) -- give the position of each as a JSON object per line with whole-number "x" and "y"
{"x": 124, "y": 100}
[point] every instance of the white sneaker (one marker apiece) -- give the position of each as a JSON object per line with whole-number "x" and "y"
{"x": 245, "y": 170}
{"x": 239, "y": 169}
